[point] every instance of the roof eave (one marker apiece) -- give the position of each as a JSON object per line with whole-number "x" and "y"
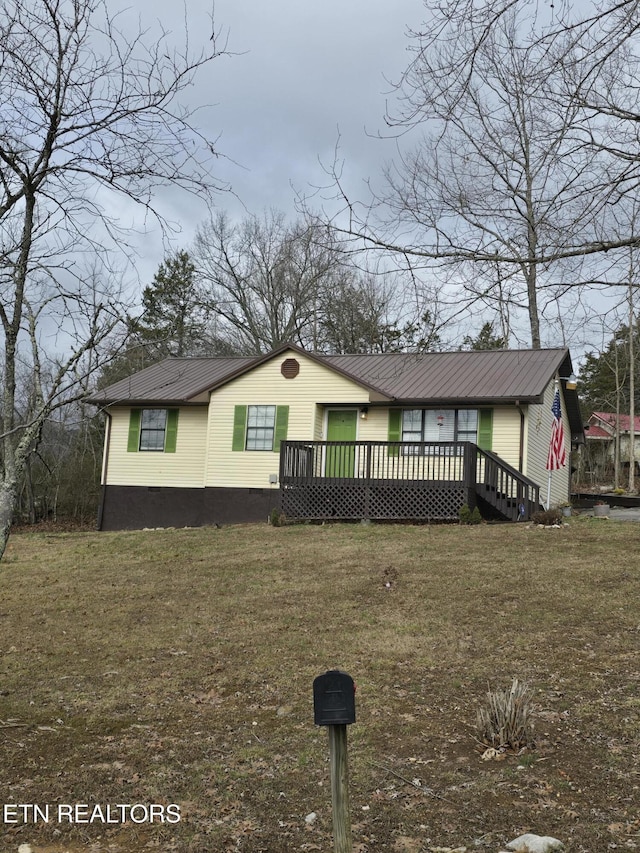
{"x": 147, "y": 403}
{"x": 467, "y": 401}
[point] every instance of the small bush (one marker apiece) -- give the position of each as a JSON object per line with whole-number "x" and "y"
{"x": 277, "y": 518}
{"x": 466, "y": 516}
{"x": 547, "y": 516}
{"x": 505, "y": 721}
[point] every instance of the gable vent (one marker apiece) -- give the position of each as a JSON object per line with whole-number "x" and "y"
{"x": 290, "y": 368}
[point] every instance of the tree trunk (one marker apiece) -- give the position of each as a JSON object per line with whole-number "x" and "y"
{"x": 8, "y": 498}
{"x": 632, "y": 391}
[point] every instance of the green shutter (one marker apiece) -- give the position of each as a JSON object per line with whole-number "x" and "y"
{"x": 133, "y": 442}
{"x": 395, "y": 429}
{"x": 239, "y": 427}
{"x": 485, "y": 429}
{"x": 171, "y": 435}
{"x": 282, "y": 422}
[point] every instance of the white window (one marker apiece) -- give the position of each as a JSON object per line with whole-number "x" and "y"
{"x": 261, "y": 422}
{"x": 439, "y": 425}
{"x": 467, "y": 425}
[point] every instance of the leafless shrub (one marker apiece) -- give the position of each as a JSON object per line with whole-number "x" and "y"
{"x": 505, "y": 720}
{"x": 547, "y": 516}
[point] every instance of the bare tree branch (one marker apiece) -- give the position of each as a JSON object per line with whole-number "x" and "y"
{"x": 90, "y": 113}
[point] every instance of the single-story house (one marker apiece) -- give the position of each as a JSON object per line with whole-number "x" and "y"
{"x": 196, "y": 441}
{"x": 601, "y": 430}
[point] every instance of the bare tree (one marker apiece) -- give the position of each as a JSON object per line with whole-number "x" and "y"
{"x": 266, "y": 278}
{"x": 498, "y": 185}
{"x": 271, "y": 282}
{"x": 528, "y": 118}
{"x": 632, "y": 381}
{"x": 359, "y": 313}
{"x": 251, "y": 278}
{"x": 88, "y": 112}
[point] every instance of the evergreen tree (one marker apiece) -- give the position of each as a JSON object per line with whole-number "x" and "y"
{"x": 485, "y": 340}
{"x": 174, "y": 321}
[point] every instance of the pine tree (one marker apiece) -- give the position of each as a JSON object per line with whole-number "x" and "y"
{"x": 174, "y": 321}
{"x": 485, "y": 340}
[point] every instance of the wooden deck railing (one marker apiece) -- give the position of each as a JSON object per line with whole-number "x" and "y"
{"x": 371, "y": 460}
{"x": 503, "y": 487}
{"x": 385, "y": 479}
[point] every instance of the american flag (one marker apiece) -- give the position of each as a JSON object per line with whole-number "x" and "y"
{"x": 557, "y": 457}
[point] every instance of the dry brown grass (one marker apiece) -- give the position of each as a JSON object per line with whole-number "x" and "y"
{"x": 177, "y": 666}
{"x": 504, "y": 721}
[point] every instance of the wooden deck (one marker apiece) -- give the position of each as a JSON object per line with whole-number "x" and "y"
{"x": 419, "y": 481}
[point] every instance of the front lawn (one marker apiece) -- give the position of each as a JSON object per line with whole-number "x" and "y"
{"x": 176, "y": 667}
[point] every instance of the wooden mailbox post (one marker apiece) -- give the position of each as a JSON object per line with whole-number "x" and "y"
{"x": 334, "y": 706}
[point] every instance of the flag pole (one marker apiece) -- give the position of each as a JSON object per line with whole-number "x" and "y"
{"x": 548, "y": 506}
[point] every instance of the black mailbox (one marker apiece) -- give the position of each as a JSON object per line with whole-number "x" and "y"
{"x": 334, "y": 699}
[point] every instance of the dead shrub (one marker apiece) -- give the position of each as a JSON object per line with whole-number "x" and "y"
{"x": 548, "y": 516}
{"x": 505, "y": 721}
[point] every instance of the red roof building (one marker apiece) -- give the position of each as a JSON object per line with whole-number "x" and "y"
{"x": 603, "y": 425}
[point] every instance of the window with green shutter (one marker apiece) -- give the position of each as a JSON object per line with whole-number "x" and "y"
{"x": 261, "y": 421}
{"x": 259, "y": 427}
{"x": 154, "y": 430}
{"x": 439, "y": 425}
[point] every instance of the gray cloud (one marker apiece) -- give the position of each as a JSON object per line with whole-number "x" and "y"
{"x": 298, "y": 74}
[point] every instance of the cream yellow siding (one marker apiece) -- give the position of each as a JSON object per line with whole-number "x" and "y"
{"x": 183, "y": 468}
{"x": 266, "y": 386}
{"x": 506, "y": 434}
{"x": 537, "y": 438}
{"x": 375, "y": 427}
{"x": 204, "y": 455}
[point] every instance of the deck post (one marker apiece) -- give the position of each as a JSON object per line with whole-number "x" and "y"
{"x": 470, "y": 474}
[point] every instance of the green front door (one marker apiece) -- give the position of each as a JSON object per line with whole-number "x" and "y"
{"x": 341, "y": 426}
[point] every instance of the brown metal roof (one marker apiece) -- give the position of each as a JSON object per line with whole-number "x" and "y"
{"x": 174, "y": 380}
{"x": 439, "y": 378}
{"x": 463, "y": 377}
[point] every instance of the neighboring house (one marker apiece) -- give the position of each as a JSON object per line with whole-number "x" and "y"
{"x": 195, "y": 441}
{"x": 601, "y": 431}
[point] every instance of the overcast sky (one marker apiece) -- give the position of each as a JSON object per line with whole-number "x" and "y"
{"x": 299, "y": 75}
{"x": 296, "y": 78}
